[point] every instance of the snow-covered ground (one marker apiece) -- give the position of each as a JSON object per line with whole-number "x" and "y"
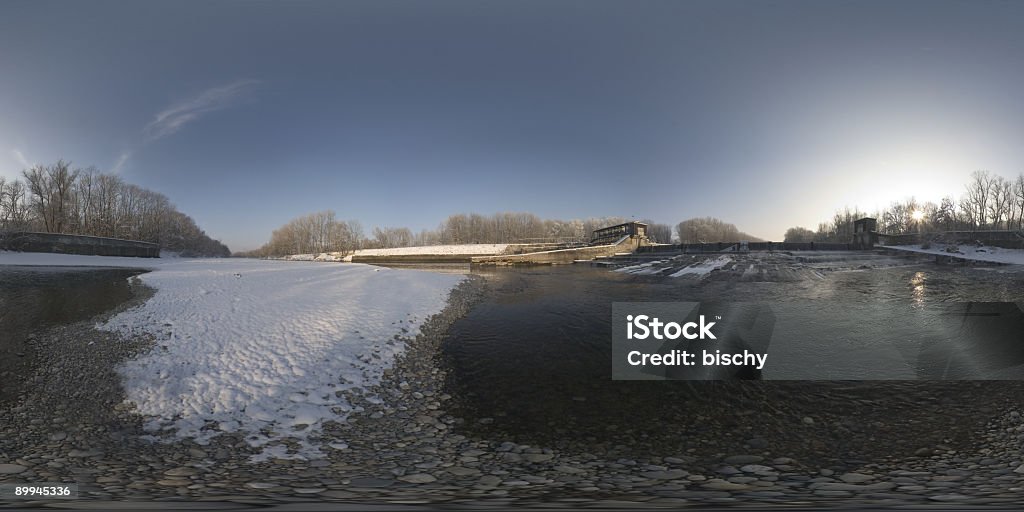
{"x": 425, "y": 250}
{"x": 969, "y": 252}
{"x": 324, "y": 256}
{"x": 436, "y": 249}
{"x": 703, "y": 268}
{"x": 262, "y": 346}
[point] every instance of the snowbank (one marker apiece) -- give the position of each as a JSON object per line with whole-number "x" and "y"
{"x": 262, "y": 346}
{"x": 968, "y": 252}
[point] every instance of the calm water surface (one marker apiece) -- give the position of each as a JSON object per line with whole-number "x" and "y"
{"x": 539, "y": 344}
{"x": 33, "y": 298}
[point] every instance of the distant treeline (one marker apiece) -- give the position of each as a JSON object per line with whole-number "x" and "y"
{"x": 709, "y": 230}
{"x": 59, "y": 199}
{"x": 989, "y": 202}
{"x": 323, "y": 232}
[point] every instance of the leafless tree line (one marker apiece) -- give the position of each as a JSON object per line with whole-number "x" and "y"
{"x": 710, "y": 229}
{"x": 322, "y": 232}
{"x": 989, "y": 202}
{"x": 311, "y": 234}
{"x": 60, "y": 199}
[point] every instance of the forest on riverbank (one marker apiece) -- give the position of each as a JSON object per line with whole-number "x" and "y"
{"x": 323, "y": 232}
{"x": 989, "y": 202}
{"x": 61, "y": 199}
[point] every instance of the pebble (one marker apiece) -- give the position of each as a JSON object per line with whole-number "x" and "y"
{"x": 538, "y": 457}
{"x": 85, "y": 453}
{"x": 721, "y": 485}
{"x": 672, "y": 474}
{"x": 489, "y": 480}
{"x": 856, "y": 478}
{"x": 743, "y": 459}
{"x": 174, "y": 482}
{"x": 949, "y": 497}
{"x": 371, "y": 482}
{"x": 11, "y": 469}
{"x": 418, "y": 478}
{"x": 180, "y": 472}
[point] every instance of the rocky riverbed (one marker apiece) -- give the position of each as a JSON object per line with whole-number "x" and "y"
{"x": 889, "y": 443}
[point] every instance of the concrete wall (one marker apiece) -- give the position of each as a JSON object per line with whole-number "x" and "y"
{"x": 1009, "y": 239}
{"x": 415, "y": 258}
{"x": 753, "y": 246}
{"x": 561, "y": 256}
{"x": 77, "y": 244}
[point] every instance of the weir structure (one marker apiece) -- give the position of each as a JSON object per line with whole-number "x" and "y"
{"x": 623, "y": 238}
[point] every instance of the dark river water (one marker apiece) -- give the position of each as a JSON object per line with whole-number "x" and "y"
{"x": 33, "y": 298}
{"x": 538, "y": 348}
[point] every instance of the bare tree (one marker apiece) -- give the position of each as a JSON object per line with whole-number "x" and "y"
{"x": 799, "y": 234}
{"x": 977, "y": 199}
{"x": 1018, "y": 195}
{"x": 945, "y": 215}
{"x": 710, "y": 229}
{"x": 59, "y": 199}
{"x": 51, "y": 189}
{"x": 999, "y": 205}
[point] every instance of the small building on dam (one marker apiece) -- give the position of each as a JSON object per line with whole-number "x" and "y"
{"x": 612, "y": 234}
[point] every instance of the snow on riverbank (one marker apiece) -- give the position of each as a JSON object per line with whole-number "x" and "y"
{"x": 262, "y": 346}
{"x": 703, "y": 268}
{"x": 428, "y": 250}
{"x": 968, "y": 252}
{"x": 425, "y": 250}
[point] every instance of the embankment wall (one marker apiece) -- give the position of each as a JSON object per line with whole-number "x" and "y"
{"x": 77, "y": 244}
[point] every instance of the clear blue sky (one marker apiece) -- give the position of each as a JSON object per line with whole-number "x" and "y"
{"x": 765, "y": 114}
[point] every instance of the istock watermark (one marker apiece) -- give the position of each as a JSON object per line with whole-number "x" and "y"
{"x": 647, "y": 326}
{"x": 690, "y": 340}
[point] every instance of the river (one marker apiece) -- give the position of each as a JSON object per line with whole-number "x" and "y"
{"x": 536, "y": 352}
{"x": 34, "y": 298}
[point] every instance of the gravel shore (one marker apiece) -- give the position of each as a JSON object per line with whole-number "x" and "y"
{"x": 407, "y": 443}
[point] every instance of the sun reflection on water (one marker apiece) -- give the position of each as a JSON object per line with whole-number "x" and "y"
{"x": 918, "y": 284}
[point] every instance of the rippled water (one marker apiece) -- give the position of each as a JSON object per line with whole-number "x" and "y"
{"x": 539, "y": 344}
{"x": 32, "y": 298}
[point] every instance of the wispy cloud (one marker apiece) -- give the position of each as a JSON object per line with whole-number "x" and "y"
{"x": 121, "y": 160}
{"x": 20, "y": 157}
{"x": 173, "y": 118}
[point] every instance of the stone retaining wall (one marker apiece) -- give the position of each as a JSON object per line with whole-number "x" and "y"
{"x": 77, "y": 244}
{"x": 415, "y": 258}
{"x": 561, "y": 256}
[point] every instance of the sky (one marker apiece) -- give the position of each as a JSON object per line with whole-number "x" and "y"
{"x": 766, "y": 114}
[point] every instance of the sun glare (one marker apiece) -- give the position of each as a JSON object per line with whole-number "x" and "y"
{"x": 917, "y": 215}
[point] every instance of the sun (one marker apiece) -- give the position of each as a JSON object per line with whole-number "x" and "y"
{"x": 917, "y": 215}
